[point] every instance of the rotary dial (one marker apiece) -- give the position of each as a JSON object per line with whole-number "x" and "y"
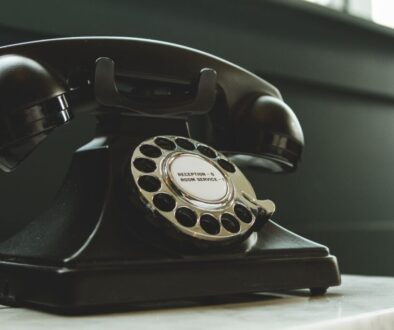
{"x": 195, "y": 188}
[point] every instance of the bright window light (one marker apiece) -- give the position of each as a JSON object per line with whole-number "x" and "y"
{"x": 379, "y": 11}
{"x": 383, "y": 12}
{"x": 336, "y": 4}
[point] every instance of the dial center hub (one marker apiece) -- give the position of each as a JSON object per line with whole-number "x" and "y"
{"x": 198, "y": 178}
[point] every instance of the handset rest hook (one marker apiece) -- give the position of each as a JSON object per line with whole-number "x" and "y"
{"x": 107, "y": 93}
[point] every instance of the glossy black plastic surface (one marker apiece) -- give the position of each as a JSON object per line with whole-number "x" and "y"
{"x": 32, "y": 103}
{"x": 269, "y": 127}
{"x": 86, "y": 259}
{"x": 157, "y": 78}
{"x": 93, "y": 247}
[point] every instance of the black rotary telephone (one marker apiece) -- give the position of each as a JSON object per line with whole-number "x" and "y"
{"x": 155, "y": 207}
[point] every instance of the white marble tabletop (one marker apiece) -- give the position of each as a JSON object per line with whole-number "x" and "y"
{"x": 360, "y": 303}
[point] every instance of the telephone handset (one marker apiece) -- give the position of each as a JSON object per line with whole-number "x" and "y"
{"x": 157, "y": 200}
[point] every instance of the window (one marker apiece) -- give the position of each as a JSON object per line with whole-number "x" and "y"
{"x": 379, "y": 11}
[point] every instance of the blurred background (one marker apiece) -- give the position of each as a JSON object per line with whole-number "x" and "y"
{"x": 333, "y": 61}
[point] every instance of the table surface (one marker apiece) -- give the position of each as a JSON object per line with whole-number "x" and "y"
{"x": 361, "y": 302}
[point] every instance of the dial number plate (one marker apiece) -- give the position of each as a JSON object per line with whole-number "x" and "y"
{"x": 198, "y": 178}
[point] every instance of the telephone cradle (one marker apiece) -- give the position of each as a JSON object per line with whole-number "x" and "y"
{"x": 156, "y": 206}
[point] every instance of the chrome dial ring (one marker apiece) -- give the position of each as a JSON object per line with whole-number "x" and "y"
{"x": 194, "y": 188}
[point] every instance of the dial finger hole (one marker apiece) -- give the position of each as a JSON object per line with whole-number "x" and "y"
{"x": 149, "y": 183}
{"x": 185, "y": 144}
{"x": 243, "y": 213}
{"x": 186, "y": 217}
{"x": 150, "y": 151}
{"x": 165, "y": 143}
{"x": 144, "y": 165}
{"x": 206, "y": 151}
{"x": 209, "y": 224}
{"x": 230, "y": 223}
{"x": 164, "y": 202}
{"x": 226, "y": 165}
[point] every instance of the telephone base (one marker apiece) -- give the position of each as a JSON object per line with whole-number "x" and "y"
{"x": 98, "y": 253}
{"x": 287, "y": 262}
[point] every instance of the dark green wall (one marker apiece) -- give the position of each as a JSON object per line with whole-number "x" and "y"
{"x": 335, "y": 71}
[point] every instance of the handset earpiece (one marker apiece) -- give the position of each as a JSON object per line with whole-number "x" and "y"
{"x": 268, "y": 135}
{"x": 32, "y": 104}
